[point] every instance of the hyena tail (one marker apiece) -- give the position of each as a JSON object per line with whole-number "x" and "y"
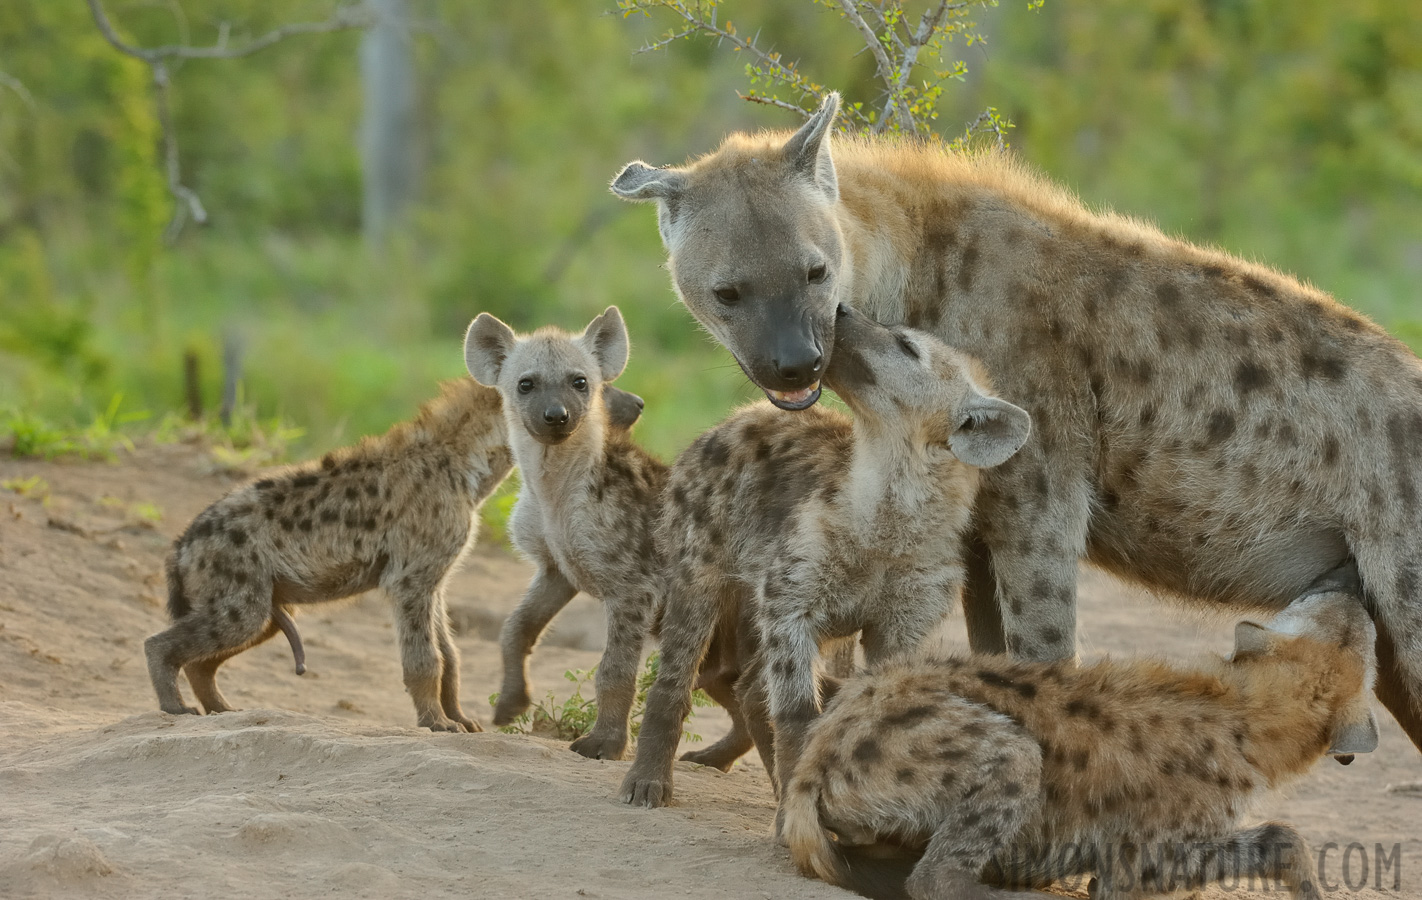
{"x": 878, "y": 872}
{"x": 178, "y": 603}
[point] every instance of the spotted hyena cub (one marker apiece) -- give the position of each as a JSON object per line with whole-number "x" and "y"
{"x": 1136, "y": 772}
{"x": 820, "y": 528}
{"x": 586, "y": 509}
{"x": 396, "y": 511}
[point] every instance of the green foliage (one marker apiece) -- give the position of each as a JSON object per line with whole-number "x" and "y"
{"x": 899, "y": 46}
{"x": 574, "y": 716}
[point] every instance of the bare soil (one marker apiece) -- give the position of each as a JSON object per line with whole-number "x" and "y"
{"x": 324, "y": 787}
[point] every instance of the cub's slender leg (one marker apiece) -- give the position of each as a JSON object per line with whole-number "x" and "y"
{"x": 449, "y": 673}
{"x": 226, "y": 626}
{"x": 718, "y": 678}
{"x": 617, "y": 679}
{"x": 981, "y": 612}
{"x": 202, "y": 673}
{"x": 416, "y": 602}
{"x": 547, "y": 594}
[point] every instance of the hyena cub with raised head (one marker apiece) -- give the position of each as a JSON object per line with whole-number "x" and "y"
{"x": 396, "y": 511}
{"x": 585, "y": 512}
{"x": 1136, "y": 772}
{"x": 820, "y": 528}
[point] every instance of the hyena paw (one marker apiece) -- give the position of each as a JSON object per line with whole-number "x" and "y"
{"x": 640, "y": 790}
{"x": 441, "y": 723}
{"x": 181, "y": 710}
{"x": 511, "y": 705}
{"x": 468, "y": 724}
{"x": 596, "y": 746}
{"x": 711, "y": 756}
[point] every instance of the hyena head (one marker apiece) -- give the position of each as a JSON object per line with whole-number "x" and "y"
{"x": 901, "y": 378}
{"x": 756, "y": 251}
{"x": 1330, "y": 612}
{"x": 550, "y": 380}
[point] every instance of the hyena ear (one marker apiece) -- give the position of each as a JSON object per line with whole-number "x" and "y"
{"x": 624, "y": 408}
{"x": 606, "y": 339}
{"x": 486, "y": 345}
{"x": 1251, "y": 639}
{"x": 1355, "y": 732}
{"x": 989, "y": 431}
{"x": 639, "y": 181}
{"x": 808, "y": 152}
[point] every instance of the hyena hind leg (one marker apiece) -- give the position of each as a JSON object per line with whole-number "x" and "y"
{"x": 417, "y": 601}
{"x": 738, "y": 742}
{"x": 202, "y": 673}
{"x": 1273, "y": 856}
{"x": 616, "y": 680}
{"x": 219, "y": 629}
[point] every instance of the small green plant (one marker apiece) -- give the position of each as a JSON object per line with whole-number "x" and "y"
{"x": 34, "y": 487}
{"x": 31, "y": 436}
{"x": 574, "y": 717}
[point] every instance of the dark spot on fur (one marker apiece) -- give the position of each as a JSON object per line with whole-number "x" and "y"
{"x": 994, "y": 679}
{"x": 302, "y": 481}
{"x": 1147, "y": 417}
{"x": 967, "y": 266}
{"x": 1331, "y": 450}
{"x": 1319, "y": 363}
{"x": 233, "y": 614}
{"x": 909, "y": 717}
{"x": 265, "y": 484}
{"x": 905, "y": 776}
{"x": 1219, "y": 427}
{"x": 1168, "y": 295}
{"x": 1250, "y": 376}
{"x": 867, "y": 750}
{"x": 1050, "y": 635}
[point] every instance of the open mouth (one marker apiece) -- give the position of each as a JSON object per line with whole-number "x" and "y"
{"x": 795, "y": 400}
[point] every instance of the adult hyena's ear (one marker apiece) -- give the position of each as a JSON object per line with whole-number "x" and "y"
{"x": 988, "y": 431}
{"x": 606, "y": 339}
{"x": 486, "y": 345}
{"x": 639, "y": 181}
{"x": 808, "y": 150}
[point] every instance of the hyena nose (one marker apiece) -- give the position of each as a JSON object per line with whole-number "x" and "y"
{"x": 801, "y": 371}
{"x": 556, "y": 415}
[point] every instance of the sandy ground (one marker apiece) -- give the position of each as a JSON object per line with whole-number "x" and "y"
{"x": 323, "y": 786}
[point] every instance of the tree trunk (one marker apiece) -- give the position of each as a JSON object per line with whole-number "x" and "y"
{"x": 387, "y": 71}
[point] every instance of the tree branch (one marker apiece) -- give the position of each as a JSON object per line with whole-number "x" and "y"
{"x": 188, "y": 203}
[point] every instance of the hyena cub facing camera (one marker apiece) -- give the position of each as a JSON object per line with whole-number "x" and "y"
{"x": 396, "y": 511}
{"x": 819, "y": 528}
{"x": 1135, "y": 772}
{"x": 586, "y": 509}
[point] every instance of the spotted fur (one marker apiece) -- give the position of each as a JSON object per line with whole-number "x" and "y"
{"x": 782, "y": 531}
{"x": 1137, "y": 772}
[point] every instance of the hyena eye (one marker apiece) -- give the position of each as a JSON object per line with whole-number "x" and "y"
{"x": 908, "y": 348}
{"x": 525, "y": 385}
{"x": 817, "y": 274}
{"x": 727, "y": 294}
{"x": 580, "y": 384}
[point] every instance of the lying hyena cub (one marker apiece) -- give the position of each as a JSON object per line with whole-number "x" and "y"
{"x": 586, "y": 510}
{"x": 1142, "y": 771}
{"x": 396, "y": 511}
{"x": 820, "y": 528}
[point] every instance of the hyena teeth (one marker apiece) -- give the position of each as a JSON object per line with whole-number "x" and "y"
{"x": 799, "y": 396}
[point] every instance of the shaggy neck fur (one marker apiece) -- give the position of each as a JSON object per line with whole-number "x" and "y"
{"x": 556, "y": 473}
{"x": 894, "y": 483}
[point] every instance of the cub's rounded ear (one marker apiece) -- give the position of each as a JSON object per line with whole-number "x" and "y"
{"x": 1251, "y": 639}
{"x": 606, "y": 339}
{"x": 624, "y": 408}
{"x": 486, "y": 345}
{"x": 989, "y": 431}
{"x": 639, "y": 181}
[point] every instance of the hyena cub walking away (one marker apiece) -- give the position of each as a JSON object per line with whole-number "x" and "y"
{"x": 586, "y": 510}
{"x": 396, "y": 511}
{"x": 820, "y": 528}
{"x": 1135, "y": 772}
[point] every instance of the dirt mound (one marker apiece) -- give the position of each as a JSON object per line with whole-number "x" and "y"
{"x": 324, "y": 786}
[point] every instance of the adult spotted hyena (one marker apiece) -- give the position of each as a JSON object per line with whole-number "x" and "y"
{"x": 1135, "y": 771}
{"x": 1201, "y": 425}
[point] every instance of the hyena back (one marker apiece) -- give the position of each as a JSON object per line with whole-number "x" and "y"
{"x": 796, "y": 529}
{"x": 989, "y": 768}
{"x": 586, "y": 506}
{"x": 396, "y": 511}
{"x": 1201, "y": 425}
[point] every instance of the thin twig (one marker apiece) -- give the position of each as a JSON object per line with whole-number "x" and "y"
{"x": 188, "y": 203}
{"x": 871, "y": 40}
{"x": 775, "y": 101}
{"x": 706, "y": 27}
{"x": 343, "y": 19}
{"x": 18, "y": 87}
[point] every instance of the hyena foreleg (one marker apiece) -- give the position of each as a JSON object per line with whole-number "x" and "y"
{"x": 417, "y": 601}
{"x": 616, "y": 679}
{"x": 547, "y": 594}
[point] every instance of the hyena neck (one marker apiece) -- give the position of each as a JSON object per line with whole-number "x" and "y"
{"x": 555, "y": 473}
{"x": 463, "y": 425}
{"x": 893, "y": 482}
